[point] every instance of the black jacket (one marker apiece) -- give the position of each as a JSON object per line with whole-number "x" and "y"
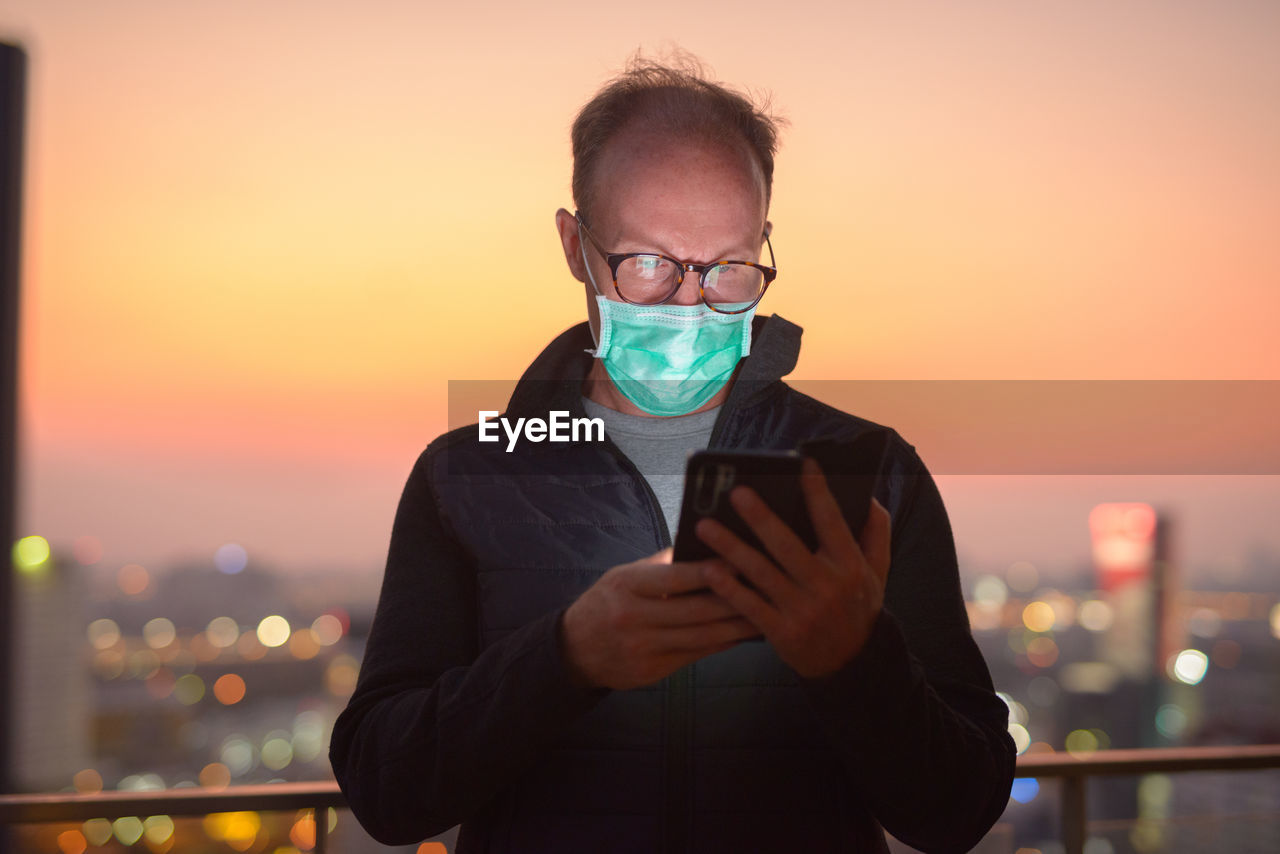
{"x": 464, "y": 711}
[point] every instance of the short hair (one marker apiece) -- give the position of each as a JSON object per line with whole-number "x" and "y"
{"x": 679, "y": 96}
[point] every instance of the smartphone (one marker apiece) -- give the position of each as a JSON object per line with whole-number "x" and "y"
{"x": 711, "y": 475}
{"x": 851, "y": 467}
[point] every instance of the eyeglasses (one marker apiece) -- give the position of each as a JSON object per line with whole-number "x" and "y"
{"x": 645, "y": 278}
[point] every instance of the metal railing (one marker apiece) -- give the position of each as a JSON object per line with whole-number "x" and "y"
{"x": 279, "y": 797}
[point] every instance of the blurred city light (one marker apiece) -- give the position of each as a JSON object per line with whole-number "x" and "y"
{"x": 1038, "y": 616}
{"x": 1025, "y": 789}
{"x": 328, "y": 629}
{"x": 30, "y": 554}
{"x": 133, "y": 579}
{"x": 223, "y": 632}
{"x": 103, "y": 634}
{"x": 1081, "y": 742}
{"x": 128, "y": 829}
{"x": 229, "y": 689}
{"x": 72, "y": 842}
{"x": 1171, "y": 721}
{"x": 230, "y": 559}
{"x": 273, "y": 631}
{"x": 215, "y": 775}
{"x": 1189, "y": 666}
{"x": 1095, "y": 615}
{"x": 97, "y": 831}
{"x": 189, "y": 689}
{"x": 88, "y": 781}
{"x": 159, "y": 632}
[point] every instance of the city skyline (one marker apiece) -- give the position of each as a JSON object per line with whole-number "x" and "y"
{"x": 258, "y": 243}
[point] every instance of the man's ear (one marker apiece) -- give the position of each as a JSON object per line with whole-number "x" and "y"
{"x": 570, "y": 241}
{"x": 768, "y": 228}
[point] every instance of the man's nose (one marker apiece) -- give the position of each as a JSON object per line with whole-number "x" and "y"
{"x": 687, "y": 294}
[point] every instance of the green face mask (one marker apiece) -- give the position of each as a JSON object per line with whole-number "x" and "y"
{"x": 670, "y": 359}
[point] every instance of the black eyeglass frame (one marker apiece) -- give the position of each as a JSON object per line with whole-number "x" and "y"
{"x": 615, "y": 259}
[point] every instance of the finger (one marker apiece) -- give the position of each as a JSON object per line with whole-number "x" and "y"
{"x": 877, "y": 534}
{"x": 697, "y": 638}
{"x": 656, "y": 580}
{"x": 763, "y": 615}
{"x": 761, "y": 571}
{"x": 829, "y": 523}
{"x": 689, "y": 609}
{"x": 782, "y": 543}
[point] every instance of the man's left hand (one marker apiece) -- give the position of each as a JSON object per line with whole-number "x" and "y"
{"x": 821, "y": 605}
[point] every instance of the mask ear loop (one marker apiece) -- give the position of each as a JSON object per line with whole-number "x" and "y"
{"x": 595, "y": 337}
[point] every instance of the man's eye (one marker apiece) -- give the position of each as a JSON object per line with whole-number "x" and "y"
{"x": 648, "y": 263}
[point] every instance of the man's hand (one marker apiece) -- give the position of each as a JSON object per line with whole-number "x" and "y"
{"x": 641, "y": 621}
{"x": 821, "y": 605}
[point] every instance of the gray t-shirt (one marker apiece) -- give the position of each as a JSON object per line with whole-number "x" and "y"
{"x": 658, "y": 447}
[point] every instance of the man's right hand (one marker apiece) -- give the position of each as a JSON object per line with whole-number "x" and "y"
{"x": 642, "y": 621}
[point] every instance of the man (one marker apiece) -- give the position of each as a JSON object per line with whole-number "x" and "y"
{"x": 541, "y": 672}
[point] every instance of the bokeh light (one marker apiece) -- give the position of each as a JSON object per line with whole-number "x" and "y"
{"x": 249, "y": 647}
{"x": 273, "y": 631}
{"x": 229, "y": 689}
{"x": 127, "y": 829}
{"x": 159, "y": 632}
{"x": 97, "y": 831}
{"x": 1189, "y": 666}
{"x": 158, "y": 829}
{"x": 340, "y": 676}
{"x": 303, "y": 645}
{"x": 133, "y": 579}
{"x": 1038, "y": 616}
{"x": 1275, "y": 620}
{"x": 1042, "y": 651}
{"x": 1171, "y": 721}
{"x": 308, "y": 736}
{"x": 103, "y": 634}
{"x": 1021, "y": 738}
{"x": 327, "y": 629}
{"x": 238, "y": 754}
{"x": 72, "y": 842}
{"x": 230, "y": 559}
{"x": 1025, "y": 789}
{"x": 87, "y": 781}
{"x": 1081, "y": 742}
{"x": 189, "y": 689}
{"x": 215, "y": 775}
{"x": 30, "y": 554}
{"x": 1204, "y": 623}
{"x": 237, "y": 829}
{"x": 277, "y": 751}
{"x": 223, "y": 632}
{"x": 1095, "y": 615}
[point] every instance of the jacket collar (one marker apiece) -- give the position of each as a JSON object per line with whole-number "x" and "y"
{"x": 554, "y": 380}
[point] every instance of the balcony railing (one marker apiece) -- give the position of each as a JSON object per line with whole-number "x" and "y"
{"x": 1075, "y": 772}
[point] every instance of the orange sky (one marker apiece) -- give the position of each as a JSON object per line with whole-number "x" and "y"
{"x": 261, "y": 238}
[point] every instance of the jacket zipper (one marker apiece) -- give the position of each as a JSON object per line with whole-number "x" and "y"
{"x": 677, "y": 708}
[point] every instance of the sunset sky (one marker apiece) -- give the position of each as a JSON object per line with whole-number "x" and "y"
{"x": 262, "y": 238}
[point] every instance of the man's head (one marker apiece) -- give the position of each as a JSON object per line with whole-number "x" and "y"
{"x": 666, "y": 161}
{"x": 671, "y": 101}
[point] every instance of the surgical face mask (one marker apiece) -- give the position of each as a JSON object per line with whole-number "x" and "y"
{"x": 669, "y": 359}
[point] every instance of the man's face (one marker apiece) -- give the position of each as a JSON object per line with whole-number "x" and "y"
{"x": 690, "y": 200}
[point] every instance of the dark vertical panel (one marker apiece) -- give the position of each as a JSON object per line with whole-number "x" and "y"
{"x": 13, "y": 67}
